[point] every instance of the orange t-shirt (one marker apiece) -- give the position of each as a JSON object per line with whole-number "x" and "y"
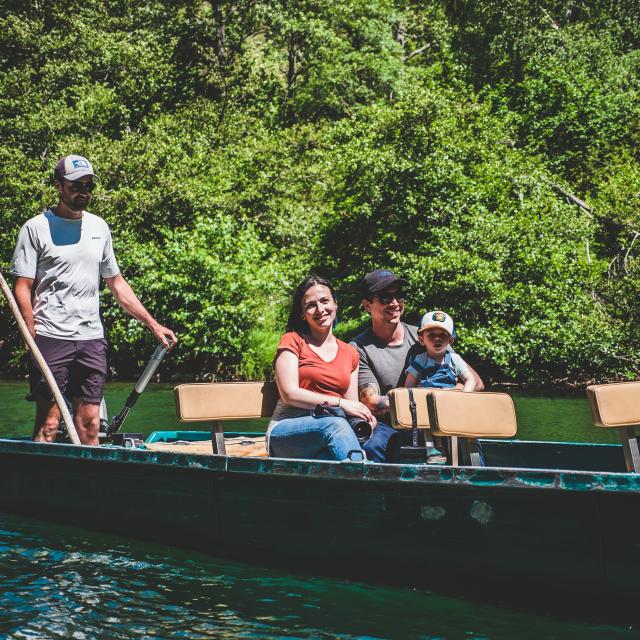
{"x": 314, "y": 373}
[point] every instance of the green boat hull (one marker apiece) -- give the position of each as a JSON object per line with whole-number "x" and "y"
{"x": 560, "y": 538}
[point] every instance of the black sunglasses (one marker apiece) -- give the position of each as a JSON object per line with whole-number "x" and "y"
{"x": 85, "y": 187}
{"x": 388, "y": 298}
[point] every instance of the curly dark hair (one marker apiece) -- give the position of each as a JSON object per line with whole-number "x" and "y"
{"x": 295, "y": 321}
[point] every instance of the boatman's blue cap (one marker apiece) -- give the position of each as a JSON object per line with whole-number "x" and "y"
{"x": 378, "y": 280}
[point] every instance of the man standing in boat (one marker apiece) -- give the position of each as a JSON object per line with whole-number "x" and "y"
{"x": 59, "y": 259}
{"x": 384, "y": 349}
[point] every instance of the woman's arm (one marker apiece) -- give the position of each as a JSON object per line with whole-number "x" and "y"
{"x": 288, "y": 381}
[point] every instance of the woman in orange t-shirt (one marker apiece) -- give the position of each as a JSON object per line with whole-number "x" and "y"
{"x": 317, "y": 377}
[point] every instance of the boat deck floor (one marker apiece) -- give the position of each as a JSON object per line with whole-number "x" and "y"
{"x": 505, "y": 454}
{"x": 242, "y": 446}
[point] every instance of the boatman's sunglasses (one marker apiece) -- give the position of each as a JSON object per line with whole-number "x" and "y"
{"x": 85, "y": 187}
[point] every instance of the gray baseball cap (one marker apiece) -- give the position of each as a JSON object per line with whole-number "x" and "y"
{"x": 72, "y": 168}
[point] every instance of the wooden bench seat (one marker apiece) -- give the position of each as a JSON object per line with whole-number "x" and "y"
{"x": 221, "y": 401}
{"x": 617, "y": 406}
{"x": 447, "y": 412}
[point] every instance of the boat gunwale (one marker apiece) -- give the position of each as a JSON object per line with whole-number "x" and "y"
{"x": 520, "y": 478}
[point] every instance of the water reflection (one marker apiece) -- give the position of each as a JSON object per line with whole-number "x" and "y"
{"x": 61, "y": 582}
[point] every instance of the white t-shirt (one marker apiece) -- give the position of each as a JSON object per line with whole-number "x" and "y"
{"x": 66, "y": 259}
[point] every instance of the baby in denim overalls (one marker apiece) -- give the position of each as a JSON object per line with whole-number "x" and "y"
{"x": 438, "y": 366}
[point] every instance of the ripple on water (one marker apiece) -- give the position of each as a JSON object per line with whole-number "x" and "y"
{"x": 61, "y": 582}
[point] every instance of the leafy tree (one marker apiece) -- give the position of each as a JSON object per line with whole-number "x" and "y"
{"x": 486, "y": 150}
{"x": 335, "y": 57}
{"x": 479, "y": 231}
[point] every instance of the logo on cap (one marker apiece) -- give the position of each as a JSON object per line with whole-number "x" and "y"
{"x": 438, "y": 316}
{"x": 80, "y": 164}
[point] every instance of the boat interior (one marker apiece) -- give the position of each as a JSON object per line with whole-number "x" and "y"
{"x": 478, "y": 427}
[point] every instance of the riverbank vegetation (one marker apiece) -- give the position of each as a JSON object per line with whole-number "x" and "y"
{"x": 488, "y": 151}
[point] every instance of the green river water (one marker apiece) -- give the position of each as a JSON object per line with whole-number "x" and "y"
{"x": 64, "y": 582}
{"x": 563, "y": 417}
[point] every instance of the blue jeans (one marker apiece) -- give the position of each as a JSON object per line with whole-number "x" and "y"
{"x": 323, "y": 438}
{"x": 381, "y": 445}
{"x": 385, "y": 441}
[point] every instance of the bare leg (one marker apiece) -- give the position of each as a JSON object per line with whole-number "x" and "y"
{"x": 47, "y": 420}
{"x": 86, "y": 417}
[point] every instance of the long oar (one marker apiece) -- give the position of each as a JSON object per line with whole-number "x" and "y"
{"x": 46, "y": 372}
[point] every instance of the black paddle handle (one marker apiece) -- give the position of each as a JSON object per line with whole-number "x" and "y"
{"x": 141, "y": 385}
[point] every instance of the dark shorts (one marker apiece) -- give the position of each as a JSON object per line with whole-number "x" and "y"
{"x": 78, "y": 366}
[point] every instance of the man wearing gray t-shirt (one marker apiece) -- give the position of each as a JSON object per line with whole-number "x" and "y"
{"x": 60, "y": 257}
{"x": 384, "y": 349}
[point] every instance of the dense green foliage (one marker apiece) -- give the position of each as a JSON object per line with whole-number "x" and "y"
{"x": 487, "y": 150}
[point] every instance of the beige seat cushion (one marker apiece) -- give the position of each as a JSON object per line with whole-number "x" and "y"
{"x": 225, "y": 400}
{"x": 471, "y": 415}
{"x": 615, "y": 405}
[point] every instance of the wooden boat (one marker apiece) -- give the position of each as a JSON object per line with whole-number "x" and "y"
{"x": 544, "y": 524}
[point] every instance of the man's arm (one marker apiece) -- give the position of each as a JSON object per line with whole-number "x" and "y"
{"x": 368, "y": 388}
{"x": 128, "y": 300}
{"x": 23, "y": 298}
{"x": 370, "y": 396}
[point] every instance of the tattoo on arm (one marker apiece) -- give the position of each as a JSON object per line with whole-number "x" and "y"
{"x": 370, "y": 395}
{"x": 365, "y": 392}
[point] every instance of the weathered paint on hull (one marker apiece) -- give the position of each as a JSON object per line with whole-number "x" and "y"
{"x": 549, "y": 537}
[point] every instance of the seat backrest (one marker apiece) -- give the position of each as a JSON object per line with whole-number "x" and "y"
{"x": 471, "y": 415}
{"x": 225, "y": 400}
{"x": 400, "y": 409}
{"x": 453, "y": 413}
{"x": 615, "y": 405}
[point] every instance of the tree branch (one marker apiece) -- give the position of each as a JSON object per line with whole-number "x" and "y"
{"x": 417, "y": 52}
{"x": 569, "y": 196}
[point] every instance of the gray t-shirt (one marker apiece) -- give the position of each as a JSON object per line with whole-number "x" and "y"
{"x": 66, "y": 259}
{"x": 381, "y": 366}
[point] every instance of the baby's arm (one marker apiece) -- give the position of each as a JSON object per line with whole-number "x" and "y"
{"x": 411, "y": 381}
{"x": 469, "y": 381}
{"x": 412, "y": 374}
{"x": 464, "y": 372}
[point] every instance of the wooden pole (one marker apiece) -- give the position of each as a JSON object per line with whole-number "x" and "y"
{"x": 46, "y": 372}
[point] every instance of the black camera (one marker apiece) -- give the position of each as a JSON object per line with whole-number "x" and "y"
{"x": 361, "y": 428}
